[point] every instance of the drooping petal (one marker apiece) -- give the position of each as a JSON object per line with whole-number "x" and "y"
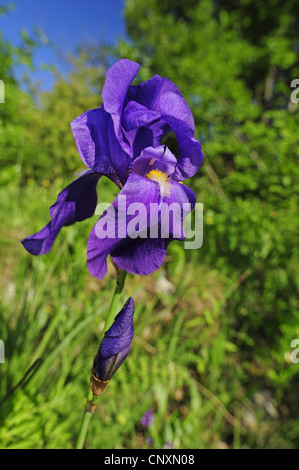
{"x": 140, "y": 256}
{"x": 145, "y": 255}
{"x": 116, "y": 343}
{"x": 102, "y": 242}
{"x": 75, "y": 203}
{"x": 176, "y": 113}
{"x": 98, "y": 145}
{"x": 139, "y": 249}
{"x": 180, "y": 196}
{"x": 189, "y": 156}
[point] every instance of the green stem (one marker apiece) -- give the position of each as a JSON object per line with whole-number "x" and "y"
{"x": 114, "y": 306}
{"x": 90, "y": 403}
{"x": 91, "y": 400}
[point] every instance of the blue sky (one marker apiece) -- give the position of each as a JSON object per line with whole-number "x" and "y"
{"x": 66, "y": 23}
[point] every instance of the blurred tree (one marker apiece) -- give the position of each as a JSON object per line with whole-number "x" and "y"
{"x": 19, "y": 109}
{"x": 50, "y": 129}
{"x": 36, "y": 142}
{"x": 272, "y": 27}
{"x": 15, "y": 112}
{"x": 236, "y": 75}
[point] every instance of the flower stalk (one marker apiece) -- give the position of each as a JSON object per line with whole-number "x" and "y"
{"x": 120, "y": 282}
{"x": 96, "y": 384}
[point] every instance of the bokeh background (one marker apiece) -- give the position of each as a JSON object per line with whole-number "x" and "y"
{"x": 211, "y": 357}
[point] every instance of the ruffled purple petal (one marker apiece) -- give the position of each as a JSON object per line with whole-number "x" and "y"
{"x": 141, "y": 256}
{"x": 116, "y": 343}
{"x": 189, "y": 156}
{"x": 75, "y": 203}
{"x": 174, "y": 105}
{"x": 164, "y": 110}
{"x": 176, "y": 113}
{"x": 163, "y": 97}
{"x": 137, "y": 115}
{"x": 98, "y": 145}
{"x": 146, "y": 93}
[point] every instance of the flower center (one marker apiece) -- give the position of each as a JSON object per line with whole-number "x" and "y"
{"x": 162, "y": 179}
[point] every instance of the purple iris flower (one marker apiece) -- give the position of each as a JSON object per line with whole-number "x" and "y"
{"x": 116, "y": 344}
{"x": 147, "y": 419}
{"x": 122, "y": 140}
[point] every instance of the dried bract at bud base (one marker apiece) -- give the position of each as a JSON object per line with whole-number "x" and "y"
{"x": 97, "y": 386}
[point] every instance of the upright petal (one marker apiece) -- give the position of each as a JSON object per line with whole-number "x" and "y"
{"x": 174, "y": 105}
{"x": 118, "y": 80}
{"x": 177, "y": 114}
{"x": 75, "y": 203}
{"x": 162, "y": 96}
{"x": 165, "y": 110}
{"x": 146, "y": 93}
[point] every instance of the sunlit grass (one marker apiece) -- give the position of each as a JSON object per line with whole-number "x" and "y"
{"x": 191, "y": 363}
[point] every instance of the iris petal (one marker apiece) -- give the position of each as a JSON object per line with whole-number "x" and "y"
{"x": 145, "y": 253}
{"x": 136, "y": 115}
{"x": 75, "y": 203}
{"x": 160, "y": 97}
{"x": 153, "y": 158}
{"x": 98, "y": 146}
{"x": 118, "y": 80}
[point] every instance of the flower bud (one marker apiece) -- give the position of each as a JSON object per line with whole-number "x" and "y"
{"x": 113, "y": 348}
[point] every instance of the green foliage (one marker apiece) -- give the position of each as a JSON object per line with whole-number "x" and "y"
{"x": 213, "y": 327}
{"x": 70, "y": 97}
{"x": 19, "y": 111}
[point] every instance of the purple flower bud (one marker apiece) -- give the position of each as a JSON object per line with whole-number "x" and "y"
{"x": 115, "y": 345}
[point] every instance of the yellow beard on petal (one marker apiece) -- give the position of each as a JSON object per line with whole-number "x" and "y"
{"x": 163, "y": 180}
